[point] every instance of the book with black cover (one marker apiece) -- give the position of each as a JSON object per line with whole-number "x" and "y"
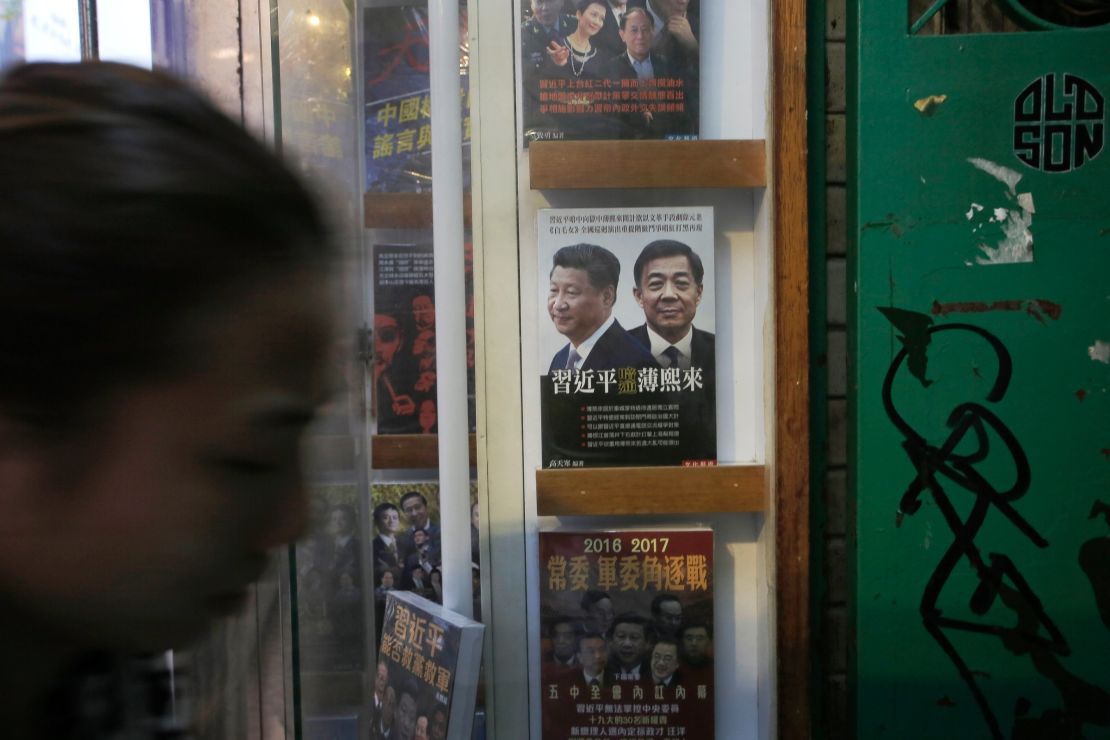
{"x": 404, "y": 337}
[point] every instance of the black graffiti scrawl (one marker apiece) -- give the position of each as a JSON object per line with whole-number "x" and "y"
{"x": 1094, "y": 559}
{"x": 977, "y": 440}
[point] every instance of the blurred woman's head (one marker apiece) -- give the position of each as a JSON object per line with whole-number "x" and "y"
{"x": 163, "y": 291}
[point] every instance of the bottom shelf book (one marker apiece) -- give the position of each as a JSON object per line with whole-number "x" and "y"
{"x": 628, "y": 617}
{"x": 427, "y": 674}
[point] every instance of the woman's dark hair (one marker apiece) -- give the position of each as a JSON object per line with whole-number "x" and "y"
{"x": 127, "y": 203}
{"x": 581, "y": 5}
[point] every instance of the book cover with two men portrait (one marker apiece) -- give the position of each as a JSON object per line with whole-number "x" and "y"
{"x": 626, "y": 337}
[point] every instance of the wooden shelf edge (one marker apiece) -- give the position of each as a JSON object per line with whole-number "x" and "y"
{"x": 403, "y": 210}
{"x": 409, "y": 451}
{"x": 723, "y": 163}
{"x": 651, "y": 490}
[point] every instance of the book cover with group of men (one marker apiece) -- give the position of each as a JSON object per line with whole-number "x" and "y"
{"x": 628, "y": 634}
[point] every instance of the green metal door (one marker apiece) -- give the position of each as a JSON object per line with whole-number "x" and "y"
{"x": 980, "y": 379}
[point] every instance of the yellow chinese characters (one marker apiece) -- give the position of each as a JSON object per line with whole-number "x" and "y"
{"x": 628, "y": 573}
{"x": 413, "y": 643}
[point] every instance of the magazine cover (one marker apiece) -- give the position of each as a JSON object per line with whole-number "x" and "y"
{"x": 404, "y": 389}
{"x": 398, "y": 105}
{"x": 427, "y": 674}
{"x": 627, "y": 618}
{"x": 626, "y": 337}
{"x": 609, "y": 70}
{"x": 406, "y": 545}
{"x": 330, "y": 606}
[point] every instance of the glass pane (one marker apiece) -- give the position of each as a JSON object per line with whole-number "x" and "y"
{"x": 353, "y": 107}
{"x": 11, "y": 32}
{"x": 39, "y": 30}
{"x": 123, "y": 32}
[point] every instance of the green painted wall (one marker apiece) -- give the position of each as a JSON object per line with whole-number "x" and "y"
{"x": 980, "y": 383}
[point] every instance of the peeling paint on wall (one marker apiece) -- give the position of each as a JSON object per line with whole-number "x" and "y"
{"x": 1100, "y": 351}
{"x": 928, "y": 105}
{"x": 1038, "y": 308}
{"x": 1006, "y": 176}
{"x": 1016, "y": 242}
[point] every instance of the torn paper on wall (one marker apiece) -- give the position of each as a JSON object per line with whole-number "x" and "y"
{"x": 1013, "y": 219}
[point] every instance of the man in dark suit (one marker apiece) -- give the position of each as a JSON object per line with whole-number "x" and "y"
{"x": 390, "y": 549}
{"x": 547, "y": 24}
{"x": 608, "y": 39}
{"x": 345, "y": 549}
{"x": 381, "y": 683}
{"x": 562, "y": 633}
{"x": 664, "y": 664}
{"x": 696, "y": 654}
{"x": 584, "y": 682}
{"x": 628, "y": 648}
{"x": 668, "y": 287}
{"x": 676, "y": 29}
{"x": 637, "y": 62}
{"x": 580, "y": 303}
{"x": 415, "y": 507}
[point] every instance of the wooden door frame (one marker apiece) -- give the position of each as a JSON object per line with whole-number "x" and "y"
{"x": 789, "y": 480}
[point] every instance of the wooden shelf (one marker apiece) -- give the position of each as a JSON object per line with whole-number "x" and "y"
{"x": 676, "y": 490}
{"x": 409, "y": 451}
{"x": 403, "y": 210}
{"x": 648, "y": 164}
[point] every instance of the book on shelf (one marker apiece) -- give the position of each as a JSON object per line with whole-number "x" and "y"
{"x": 404, "y": 338}
{"x": 429, "y": 662}
{"x": 604, "y": 73}
{"x": 397, "y": 95}
{"x": 627, "y": 625}
{"x": 627, "y": 350}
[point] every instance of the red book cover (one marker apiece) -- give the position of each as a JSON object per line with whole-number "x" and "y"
{"x": 627, "y": 634}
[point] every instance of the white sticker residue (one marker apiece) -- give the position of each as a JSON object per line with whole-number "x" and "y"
{"x": 1016, "y": 242}
{"x": 1100, "y": 351}
{"x": 1006, "y": 176}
